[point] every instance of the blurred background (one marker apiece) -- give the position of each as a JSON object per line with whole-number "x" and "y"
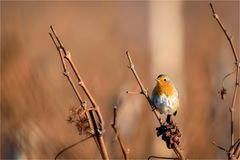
{"x": 179, "y": 38}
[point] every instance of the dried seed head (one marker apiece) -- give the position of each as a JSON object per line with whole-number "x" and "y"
{"x": 223, "y": 93}
{"x": 79, "y": 119}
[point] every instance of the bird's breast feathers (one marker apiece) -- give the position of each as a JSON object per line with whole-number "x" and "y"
{"x": 165, "y": 104}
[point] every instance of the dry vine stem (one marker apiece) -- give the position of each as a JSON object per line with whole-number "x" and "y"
{"x": 72, "y": 145}
{"x": 158, "y": 157}
{"x": 93, "y": 114}
{"x": 234, "y": 150}
{"x": 144, "y": 91}
{"x": 124, "y": 151}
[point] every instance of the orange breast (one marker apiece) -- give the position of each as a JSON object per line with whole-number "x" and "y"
{"x": 165, "y": 88}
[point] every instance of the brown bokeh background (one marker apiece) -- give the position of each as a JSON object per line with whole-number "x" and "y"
{"x": 178, "y": 38}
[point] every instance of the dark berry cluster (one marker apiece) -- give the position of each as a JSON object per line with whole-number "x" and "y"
{"x": 170, "y": 134}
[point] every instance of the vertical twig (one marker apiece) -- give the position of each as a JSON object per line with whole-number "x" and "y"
{"x": 237, "y": 65}
{"x": 124, "y": 151}
{"x": 97, "y": 125}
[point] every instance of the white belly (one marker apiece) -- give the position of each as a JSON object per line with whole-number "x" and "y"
{"x": 166, "y": 105}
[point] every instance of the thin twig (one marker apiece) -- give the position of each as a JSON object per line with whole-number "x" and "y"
{"x": 160, "y": 157}
{"x": 237, "y": 66}
{"x": 229, "y": 38}
{"x": 72, "y": 145}
{"x": 220, "y": 147}
{"x": 131, "y": 66}
{"x": 144, "y": 91}
{"x": 226, "y": 76}
{"x": 223, "y": 90}
{"x": 124, "y": 151}
{"x": 131, "y": 92}
{"x": 65, "y": 72}
{"x": 96, "y": 125}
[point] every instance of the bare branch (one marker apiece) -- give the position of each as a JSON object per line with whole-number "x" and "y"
{"x": 97, "y": 125}
{"x": 61, "y": 52}
{"x": 67, "y": 55}
{"x": 163, "y": 128}
{"x": 124, "y": 151}
{"x": 143, "y": 89}
{"x": 229, "y": 38}
{"x": 131, "y": 66}
{"x": 236, "y": 89}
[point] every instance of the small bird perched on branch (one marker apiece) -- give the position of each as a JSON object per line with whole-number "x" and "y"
{"x": 165, "y": 96}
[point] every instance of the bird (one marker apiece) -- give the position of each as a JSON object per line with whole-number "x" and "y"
{"x": 164, "y": 96}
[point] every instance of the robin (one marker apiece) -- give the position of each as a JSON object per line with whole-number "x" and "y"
{"x": 165, "y": 96}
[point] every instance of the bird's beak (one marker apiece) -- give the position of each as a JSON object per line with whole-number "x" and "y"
{"x": 156, "y": 80}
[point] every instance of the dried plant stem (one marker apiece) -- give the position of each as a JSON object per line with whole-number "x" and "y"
{"x": 135, "y": 93}
{"x": 235, "y": 149}
{"x": 178, "y": 151}
{"x": 236, "y": 89}
{"x": 124, "y": 151}
{"x": 220, "y": 147}
{"x": 226, "y": 76}
{"x": 229, "y": 38}
{"x": 235, "y": 93}
{"x": 96, "y": 125}
{"x": 160, "y": 157}
{"x": 65, "y": 72}
{"x": 82, "y": 84}
{"x": 144, "y": 91}
{"x": 72, "y": 145}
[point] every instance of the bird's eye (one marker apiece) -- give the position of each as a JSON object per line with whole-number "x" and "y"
{"x": 165, "y": 79}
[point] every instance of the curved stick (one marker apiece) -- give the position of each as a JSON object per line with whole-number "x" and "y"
{"x": 70, "y": 146}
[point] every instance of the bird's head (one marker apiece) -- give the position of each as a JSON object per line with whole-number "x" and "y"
{"x": 163, "y": 79}
{"x": 164, "y": 85}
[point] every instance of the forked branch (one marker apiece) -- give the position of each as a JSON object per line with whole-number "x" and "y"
{"x": 233, "y": 151}
{"x": 96, "y": 125}
{"x": 229, "y": 38}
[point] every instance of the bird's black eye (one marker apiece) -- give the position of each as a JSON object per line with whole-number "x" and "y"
{"x": 165, "y": 79}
